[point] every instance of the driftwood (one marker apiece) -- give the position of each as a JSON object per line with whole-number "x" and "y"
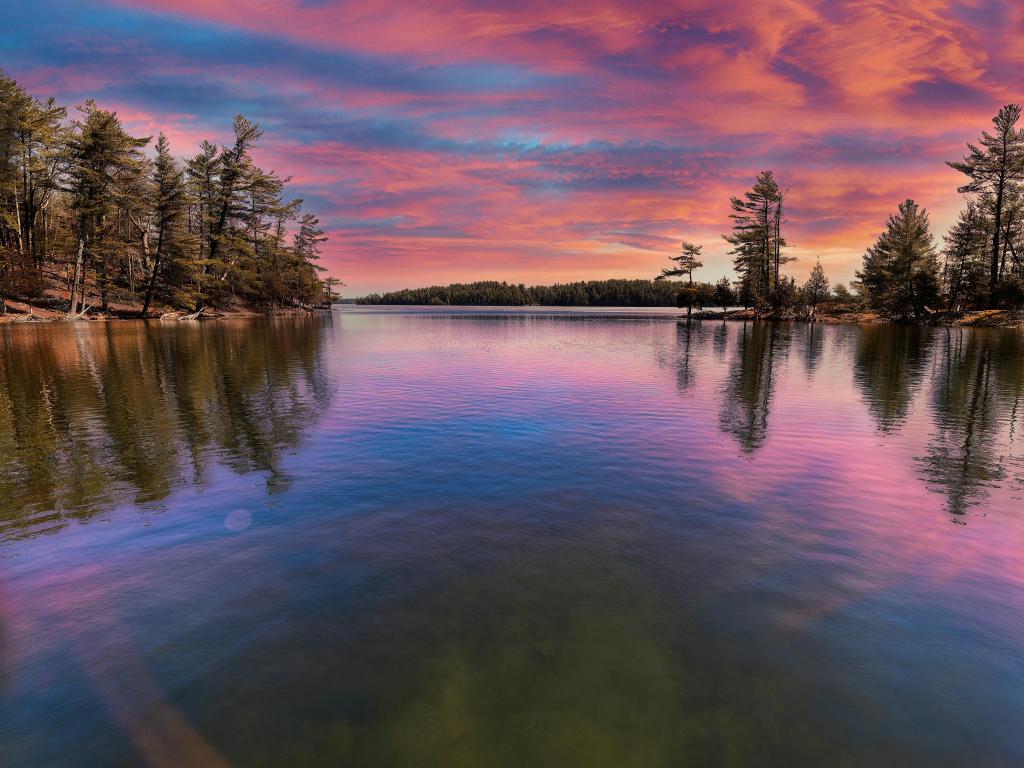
{"x": 80, "y": 315}
{"x": 194, "y": 316}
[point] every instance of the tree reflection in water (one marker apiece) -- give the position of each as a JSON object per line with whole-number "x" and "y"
{"x": 98, "y": 415}
{"x": 975, "y": 397}
{"x": 747, "y": 396}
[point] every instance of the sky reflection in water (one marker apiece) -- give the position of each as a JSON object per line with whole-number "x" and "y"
{"x": 434, "y": 539}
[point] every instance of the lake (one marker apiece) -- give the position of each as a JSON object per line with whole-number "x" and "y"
{"x": 419, "y": 537}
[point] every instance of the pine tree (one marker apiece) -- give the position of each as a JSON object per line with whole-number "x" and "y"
{"x": 966, "y": 258}
{"x": 234, "y": 162}
{"x": 687, "y": 261}
{"x": 103, "y": 162}
{"x": 307, "y": 244}
{"x": 842, "y": 293}
{"x": 203, "y": 172}
{"x": 899, "y": 276}
{"x": 169, "y": 208}
{"x": 816, "y": 287}
{"x": 757, "y": 240}
{"x": 724, "y": 295}
{"x": 31, "y": 141}
{"x": 996, "y": 170}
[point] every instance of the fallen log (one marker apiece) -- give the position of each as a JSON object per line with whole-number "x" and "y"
{"x": 79, "y": 315}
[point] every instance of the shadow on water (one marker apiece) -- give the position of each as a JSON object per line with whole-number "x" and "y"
{"x": 103, "y": 414}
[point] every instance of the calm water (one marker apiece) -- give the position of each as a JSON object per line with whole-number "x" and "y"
{"x": 510, "y": 539}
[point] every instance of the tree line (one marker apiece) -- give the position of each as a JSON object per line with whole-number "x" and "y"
{"x": 114, "y": 221}
{"x": 592, "y": 293}
{"x": 904, "y": 274}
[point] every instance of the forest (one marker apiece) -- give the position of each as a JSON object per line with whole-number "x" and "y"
{"x": 905, "y": 274}
{"x": 96, "y": 220}
{"x": 592, "y": 293}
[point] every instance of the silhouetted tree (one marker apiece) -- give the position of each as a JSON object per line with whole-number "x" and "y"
{"x": 757, "y": 240}
{"x": 687, "y": 261}
{"x": 965, "y": 258}
{"x": 995, "y": 169}
{"x": 900, "y": 272}
{"x": 816, "y": 287}
{"x": 725, "y": 297}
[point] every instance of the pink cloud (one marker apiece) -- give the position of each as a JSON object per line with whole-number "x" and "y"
{"x": 513, "y": 141}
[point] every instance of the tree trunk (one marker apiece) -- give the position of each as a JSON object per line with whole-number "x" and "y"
{"x": 78, "y": 275}
{"x": 156, "y": 269}
{"x": 17, "y": 214}
{"x": 102, "y": 275}
{"x": 994, "y": 266}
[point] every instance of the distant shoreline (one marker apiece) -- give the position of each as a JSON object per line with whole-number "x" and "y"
{"x": 989, "y": 318}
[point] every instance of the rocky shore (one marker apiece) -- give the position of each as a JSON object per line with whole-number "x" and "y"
{"x": 983, "y": 318}
{"x": 54, "y": 308}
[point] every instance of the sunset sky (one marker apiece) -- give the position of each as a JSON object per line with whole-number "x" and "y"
{"x": 538, "y": 141}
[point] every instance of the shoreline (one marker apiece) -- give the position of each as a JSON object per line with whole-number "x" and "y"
{"x": 19, "y": 313}
{"x": 982, "y": 318}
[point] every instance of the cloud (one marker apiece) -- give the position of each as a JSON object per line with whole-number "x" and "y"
{"x": 536, "y": 141}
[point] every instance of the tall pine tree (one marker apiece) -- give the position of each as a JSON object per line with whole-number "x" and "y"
{"x": 996, "y": 171}
{"x": 899, "y": 276}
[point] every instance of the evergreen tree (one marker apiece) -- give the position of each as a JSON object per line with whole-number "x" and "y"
{"x": 234, "y": 162}
{"x": 31, "y": 145}
{"x": 687, "y": 261}
{"x": 757, "y": 240}
{"x": 965, "y": 257}
{"x": 996, "y": 170}
{"x": 81, "y": 197}
{"x": 724, "y": 295}
{"x": 169, "y": 206}
{"x": 203, "y": 172}
{"x": 816, "y": 287}
{"x": 307, "y": 244}
{"x": 842, "y": 293}
{"x": 103, "y": 162}
{"x": 899, "y": 276}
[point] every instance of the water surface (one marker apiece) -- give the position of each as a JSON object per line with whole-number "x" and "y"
{"x": 424, "y": 537}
